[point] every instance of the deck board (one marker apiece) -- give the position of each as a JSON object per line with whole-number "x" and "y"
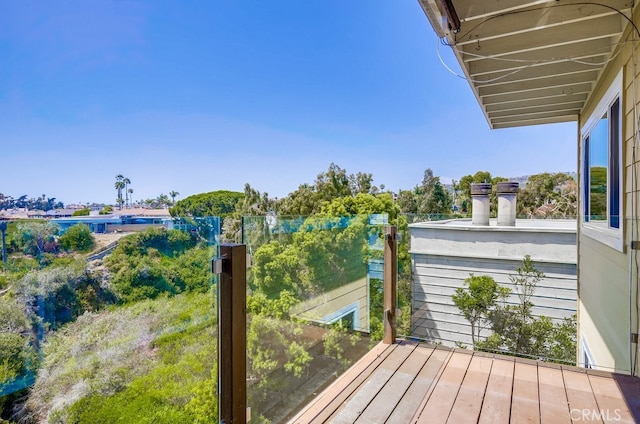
{"x": 610, "y": 401}
{"x": 386, "y": 400}
{"x": 554, "y": 406}
{"x": 580, "y": 396}
{"x": 317, "y": 410}
{"x": 441, "y": 401}
{"x": 353, "y": 408}
{"x": 411, "y": 382}
{"x": 524, "y": 399}
{"x": 496, "y": 408}
{"x": 468, "y": 404}
{"x": 408, "y": 406}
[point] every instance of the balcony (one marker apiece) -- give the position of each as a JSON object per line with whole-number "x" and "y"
{"x": 410, "y": 382}
{"x": 311, "y": 355}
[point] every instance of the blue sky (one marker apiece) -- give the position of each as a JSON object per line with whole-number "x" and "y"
{"x": 206, "y": 95}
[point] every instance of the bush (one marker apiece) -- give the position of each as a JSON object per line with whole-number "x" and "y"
{"x": 77, "y": 238}
{"x": 146, "y": 265}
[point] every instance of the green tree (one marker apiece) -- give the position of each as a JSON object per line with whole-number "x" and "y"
{"x": 517, "y": 331}
{"x": 431, "y": 197}
{"x": 82, "y": 212}
{"x": 406, "y": 200}
{"x": 77, "y": 237}
{"x": 464, "y": 188}
{"x": 220, "y": 203}
{"x": 332, "y": 184}
{"x": 477, "y": 300}
{"x": 551, "y": 195}
{"x": 119, "y": 185}
{"x": 173, "y": 195}
{"x": 514, "y": 324}
{"x": 37, "y": 237}
{"x": 17, "y": 356}
{"x": 126, "y": 182}
{"x": 156, "y": 262}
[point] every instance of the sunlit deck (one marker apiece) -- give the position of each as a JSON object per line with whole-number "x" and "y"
{"x": 409, "y": 382}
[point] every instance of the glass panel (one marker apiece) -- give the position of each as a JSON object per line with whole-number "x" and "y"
{"x": 114, "y": 325}
{"x": 310, "y": 287}
{"x": 598, "y": 162}
{"x": 614, "y": 165}
{"x": 586, "y": 186}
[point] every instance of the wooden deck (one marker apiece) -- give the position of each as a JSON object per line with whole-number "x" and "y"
{"x": 411, "y": 382}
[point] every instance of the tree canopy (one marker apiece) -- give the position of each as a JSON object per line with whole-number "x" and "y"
{"x": 332, "y": 184}
{"x": 549, "y": 195}
{"x": 220, "y": 203}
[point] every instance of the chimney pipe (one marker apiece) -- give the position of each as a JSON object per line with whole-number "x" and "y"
{"x": 507, "y": 196}
{"x": 480, "y": 194}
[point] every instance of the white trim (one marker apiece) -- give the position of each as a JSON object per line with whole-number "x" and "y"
{"x": 352, "y": 308}
{"x": 585, "y": 352}
{"x": 612, "y": 237}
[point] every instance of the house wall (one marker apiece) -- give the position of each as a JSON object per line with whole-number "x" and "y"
{"x": 132, "y": 227}
{"x": 443, "y": 255}
{"x": 606, "y": 309}
{"x": 329, "y": 306}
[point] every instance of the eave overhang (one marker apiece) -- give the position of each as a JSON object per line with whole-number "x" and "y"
{"x": 532, "y": 62}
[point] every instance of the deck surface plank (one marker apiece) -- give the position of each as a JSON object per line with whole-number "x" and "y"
{"x": 412, "y": 399}
{"x": 610, "y": 401}
{"x": 410, "y": 382}
{"x": 580, "y": 396}
{"x": 468, "y": 404}
{"x": 351, "y": 410}
{"x": 525, "y": 406}
{"x": 496, "y": 408}
{"x": 343, "y": 387}
{"x": 386, "y": 400}
{"x": 554, "y": 407}
{"x": 439, "y": 404}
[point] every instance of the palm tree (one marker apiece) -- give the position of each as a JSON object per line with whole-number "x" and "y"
{"x": 162, "y": 200}
{"x": 126, "y": 182}
{"x": 173, "y": 195}
{"x": 119, "y": 185}
{"x": 130, "y": 192}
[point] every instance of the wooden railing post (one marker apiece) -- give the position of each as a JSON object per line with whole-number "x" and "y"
{"x": 390, "y": 284}
{"x": 232, "y": 339}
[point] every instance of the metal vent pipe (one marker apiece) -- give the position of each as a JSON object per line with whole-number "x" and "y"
{"x": 480, "y": 195}
{"x": 507, "y": 199}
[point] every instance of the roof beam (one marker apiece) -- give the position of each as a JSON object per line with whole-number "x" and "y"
{"x": 599, "y": 28}
{"x": 537, "y": 84}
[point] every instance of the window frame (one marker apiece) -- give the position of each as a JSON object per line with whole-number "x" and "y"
{"x": 608, "y": 234}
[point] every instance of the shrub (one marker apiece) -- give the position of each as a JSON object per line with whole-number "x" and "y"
{"x": 77, "y": 237}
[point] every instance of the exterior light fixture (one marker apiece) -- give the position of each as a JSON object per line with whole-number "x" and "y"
{"x": 452, "y": 16}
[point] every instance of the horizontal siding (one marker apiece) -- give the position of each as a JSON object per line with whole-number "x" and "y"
{"x": 326, "y": 304}
{"x": 435, "y": 278}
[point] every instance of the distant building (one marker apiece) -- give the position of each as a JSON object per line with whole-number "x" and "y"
{"x": 125, "y": 220}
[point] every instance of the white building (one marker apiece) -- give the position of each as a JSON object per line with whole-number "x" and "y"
{"x": 444, "y": 253}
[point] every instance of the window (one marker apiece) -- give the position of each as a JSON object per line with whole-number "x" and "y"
{"x": 602, "y": 170}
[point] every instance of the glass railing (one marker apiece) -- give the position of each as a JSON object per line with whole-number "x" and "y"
{"x": 509, "y": 290}
{"x": 121, "y": 326}
{"x": 314, "y": 305}
{"x": 114, "y": 326}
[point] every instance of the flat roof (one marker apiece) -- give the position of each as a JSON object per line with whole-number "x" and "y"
{"x": 538, "y": 225}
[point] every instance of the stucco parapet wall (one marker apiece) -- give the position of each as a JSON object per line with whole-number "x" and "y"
{"x": 552, "y": 241}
